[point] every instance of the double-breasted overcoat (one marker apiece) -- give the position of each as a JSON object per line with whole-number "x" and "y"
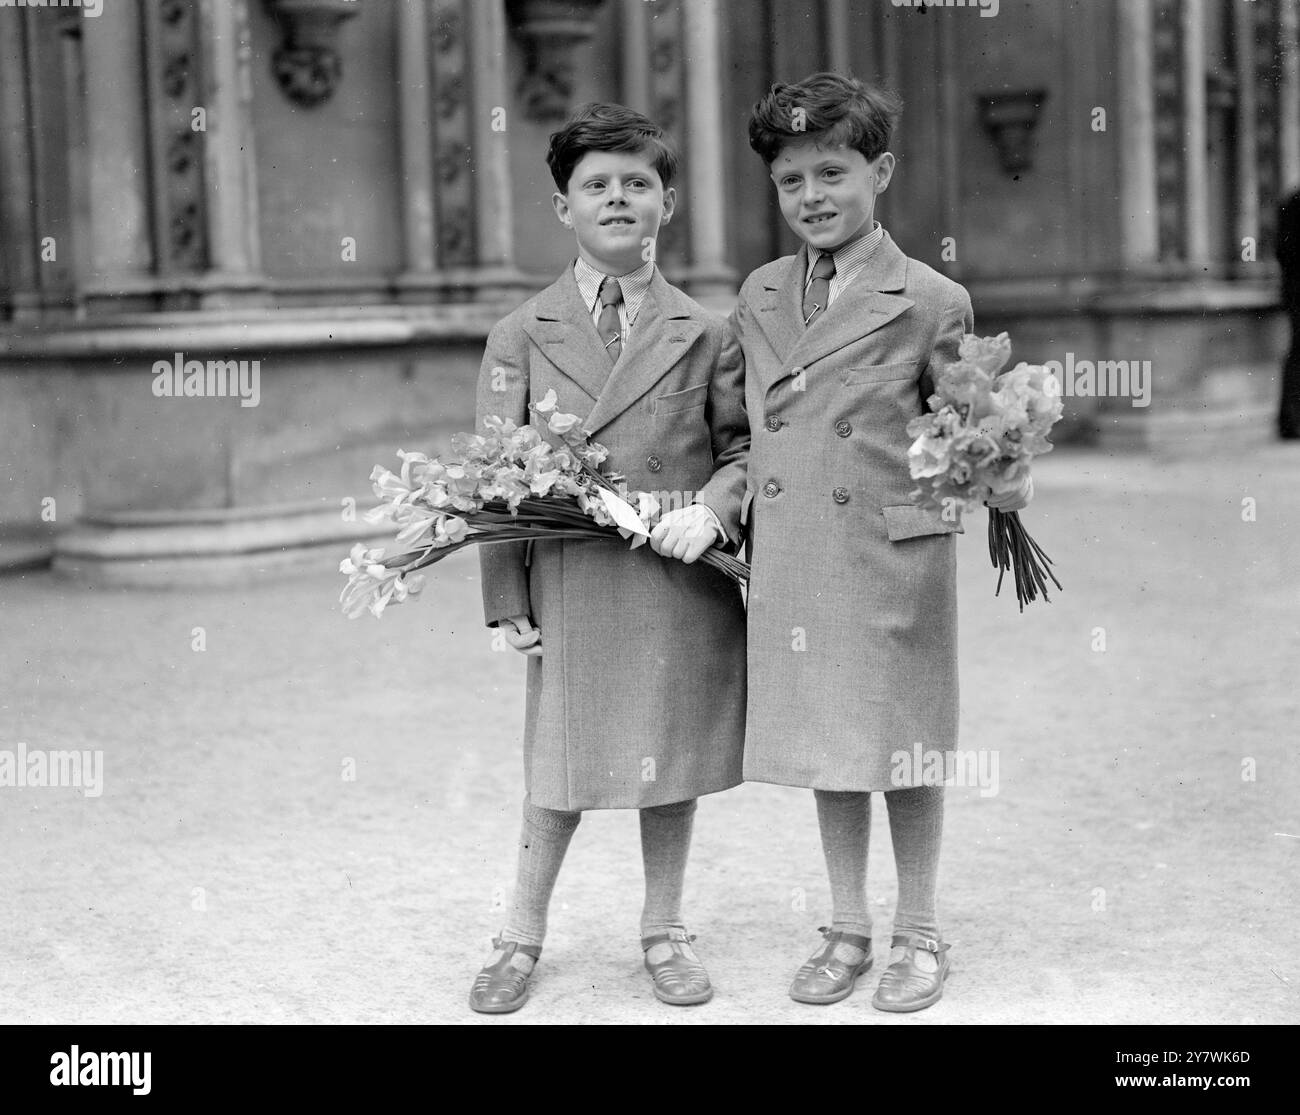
{"x": 638, "y": 698}
{"x": 852, "y": 601}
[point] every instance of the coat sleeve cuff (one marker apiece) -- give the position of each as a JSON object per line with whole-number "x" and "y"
{"x": 504, "y": 578}
{"x": 724, "y": 535}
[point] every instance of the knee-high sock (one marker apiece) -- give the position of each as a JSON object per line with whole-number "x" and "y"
{"x": 665, "y": 844}
{"x": 542, "y": 844}
{"x": 916, "y": 825}
{"x": 845, "y": 822}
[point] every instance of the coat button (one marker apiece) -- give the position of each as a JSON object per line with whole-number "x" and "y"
{"x": 774, "y": 423}
{"x": 654, "y": 464}
{"x": 771, "y": 489}
{"x": 843, "y": 428}
{"x": 840, "y": 495}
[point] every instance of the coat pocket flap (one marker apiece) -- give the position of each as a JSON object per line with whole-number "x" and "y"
{"x": 906, "y": 520}
{"x": 682, "y": 400}
{"x": 882, "y": 373}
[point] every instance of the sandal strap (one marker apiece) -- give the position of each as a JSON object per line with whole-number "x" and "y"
{"x": 837, "y": 936}
{"x": 648, "y": 943}
{"x": 512, "y": 947}
{"x": 919, "y": 941}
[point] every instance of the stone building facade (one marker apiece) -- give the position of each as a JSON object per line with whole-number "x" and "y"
{"x": 346, "y": 194}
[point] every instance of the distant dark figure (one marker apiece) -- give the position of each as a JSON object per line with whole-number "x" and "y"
{"x": 1288, "y": 256}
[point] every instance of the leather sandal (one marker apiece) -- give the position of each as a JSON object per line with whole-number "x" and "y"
{"x": 501, "y": 987}
{"x": 681, "y": 979}
{"x": 823, "y": 978}
{"x": 904, "y": 986}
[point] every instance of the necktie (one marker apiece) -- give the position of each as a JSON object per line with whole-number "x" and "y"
{"x": 608, "y": 325}
{"x": 818, "y": 292}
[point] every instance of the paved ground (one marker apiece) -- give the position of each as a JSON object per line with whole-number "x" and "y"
{"x": 1124, "y": 872}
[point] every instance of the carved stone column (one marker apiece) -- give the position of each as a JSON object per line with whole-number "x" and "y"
{"x": 471, "y": 178}
{"x": 203, "y": 190}
{"x": 178, "y": 195}
{"x": 1196, "y": 214}
{"x": 1288, "y": 116}
{"x": 47, "y": 85}
{"x": 658, "y": 31}
{"x": 1171, "y": 167}
{"x": 19, "y": 297}
{"x": 1247, "y": 199}
{"x": 1139, "y": 227}
{"x": 230, "y": 174}
{"x": 709, "y": 275}
{"x": 419, "y": 281}
{"x": 118, "y": 276}
{"x": 634, "y": 42}
{"x": 497, "y": 275}
{"x": 455, "y": 228}
{"x": 837, "y": 21}
{"x": 1266, "y": 50}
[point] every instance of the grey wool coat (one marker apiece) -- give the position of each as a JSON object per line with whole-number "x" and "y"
{"x": 852, "y": 601}
{"x": 638, "y": 698}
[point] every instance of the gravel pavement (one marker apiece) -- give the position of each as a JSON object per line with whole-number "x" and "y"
{"x": 314, "y": 820}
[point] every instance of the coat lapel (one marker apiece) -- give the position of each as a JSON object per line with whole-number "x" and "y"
{"x": 665, "y": 330}
{"x": 861, "y": 308}
{"x": 563, "y": 330}
{"x": 779, "y": 311}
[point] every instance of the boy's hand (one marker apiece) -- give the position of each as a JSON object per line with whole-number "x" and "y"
{"x": 686, "y": 532}
{"x": 522, "y": 635}
{"x": 1015, "y": 500}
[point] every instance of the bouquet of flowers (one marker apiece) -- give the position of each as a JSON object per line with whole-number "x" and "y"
{"x": 984, "y": 428}
{"x": 508, "y": 484}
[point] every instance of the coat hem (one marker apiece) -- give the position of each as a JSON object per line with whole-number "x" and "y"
{"x": 804, "y": 784}
{"x": 667, "y": 800}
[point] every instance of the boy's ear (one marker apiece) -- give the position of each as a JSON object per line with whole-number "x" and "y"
{"x": 884, "y": 171}
{"x": 670, "y": 204}
{"x": 561, "y": 204}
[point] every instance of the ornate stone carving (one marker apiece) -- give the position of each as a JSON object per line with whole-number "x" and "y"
{"x": 69, "y": 21}
{"x": 1267, "y": 78}
{"x": 186, "y": 231}
{"x": 450, "y": 96}
{"x": 454, "y": 231}
{"x": 550, "y": 29}
{"x": 452, "y": 135}
{"x": 307, "y": 64}
{"x": 667, "y": 90}
{"x": 448, "y": 31}
{"x": 1010, "y": 119}
{"x": 1167, "y": 41}
{"x": 180, "y": 228}
{"x": 181, "y": 153}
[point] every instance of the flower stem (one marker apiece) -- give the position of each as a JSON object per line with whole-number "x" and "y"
{"x": 1011, "y": 547}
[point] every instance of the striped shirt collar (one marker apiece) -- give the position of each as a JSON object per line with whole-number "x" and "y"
{"x": 635, "y": 286}
{"x": 848, "y": 260}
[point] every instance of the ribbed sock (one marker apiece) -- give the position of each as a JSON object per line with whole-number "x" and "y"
{"x": 845, "y": 822}
{"x": 916, "y": 826}
{"x": 665, "y": 846}
{"x": 543, "y": 842}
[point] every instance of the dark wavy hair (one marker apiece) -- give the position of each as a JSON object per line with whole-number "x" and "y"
{"x": 837, "y": 111}
{"x": 609, "y": 127}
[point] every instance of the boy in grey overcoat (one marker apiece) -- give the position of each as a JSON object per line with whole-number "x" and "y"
{"x": 852, "y": 601}
{"x": 636, "y": 660}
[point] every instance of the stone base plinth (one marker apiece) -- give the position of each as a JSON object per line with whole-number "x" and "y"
{"x": 1188, "y": 430}
{"x": 25, "y": 549}
{"x": 181, "y": 549}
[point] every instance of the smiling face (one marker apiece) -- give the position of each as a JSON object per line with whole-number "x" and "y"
{"x": 615, "y": 202}
{"x": 828, "y": 194}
